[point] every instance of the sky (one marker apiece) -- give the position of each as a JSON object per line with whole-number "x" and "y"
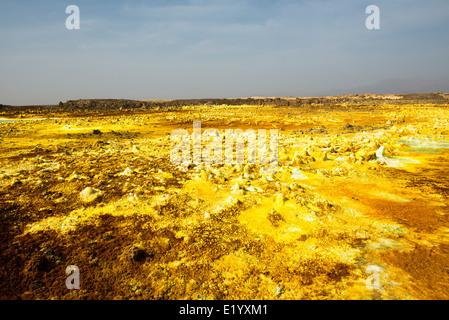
{"x": 175, "y": 49}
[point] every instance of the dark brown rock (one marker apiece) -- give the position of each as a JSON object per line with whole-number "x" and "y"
{"x": 136, "y": 254}
{"x": 274, "y": 217}
{"x": 39, "y": 262}
{"x": 35, "y": 284}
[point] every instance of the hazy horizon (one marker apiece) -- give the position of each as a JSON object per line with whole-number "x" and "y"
{"x": 219, "y": 49}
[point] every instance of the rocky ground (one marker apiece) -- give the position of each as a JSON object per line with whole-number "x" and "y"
{"x": 359, "y": 183}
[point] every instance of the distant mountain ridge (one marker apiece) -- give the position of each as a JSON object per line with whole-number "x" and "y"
{"x": 404, "y": 86}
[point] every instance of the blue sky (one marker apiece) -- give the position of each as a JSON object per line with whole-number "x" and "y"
{"x": 168, "y": 49}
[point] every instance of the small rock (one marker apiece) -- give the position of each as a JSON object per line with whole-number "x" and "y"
{"x": 96, "y": 131}
{"x": 89, "y": 194}
{"x": 160, "y": 201}
{"x": 324, "y": 156}
{"x": 132, "y": 197}
{"x": 297, "y": 175}
{"x": 15, "y": 182}
{"x": 296, "y": 160}
{"x": 203, "y": 174}
{"x": 136, "y": 254}
{"x": 73, "y": 176}
{"x": 380, "y": 152}
{"x": 249, "y": 168}
{"x": 35, "y": 284}
{"x": 126, "y": 172}
{"x": 253, "y": 189}
{"x": 108, "y": 237}
{"x": 99, "y": 143}
{"x": 280, "y": 200}
{"x": 279, "y": 291}
{"x": 351, "y": 158}
{"x": 39, "y": 262}
{"x": 90, "y": 244}
{"x": 236, "y": 188}
{"x": 305, "y": 153}
{"x": 274, "y": 217}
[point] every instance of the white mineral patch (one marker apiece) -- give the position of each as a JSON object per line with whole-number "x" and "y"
{"x": 392, "y": 196}
{"x": 297, "y": 175}
{"x": 380, "y": 152}
{"x": 132, "y": 197}
{"x": 126, "y": 172}
{"x": 253, "y": 189}
{"x": 425, "y": 143}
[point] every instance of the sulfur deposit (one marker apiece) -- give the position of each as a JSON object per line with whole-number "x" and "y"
{"x": 358, "y": 183}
